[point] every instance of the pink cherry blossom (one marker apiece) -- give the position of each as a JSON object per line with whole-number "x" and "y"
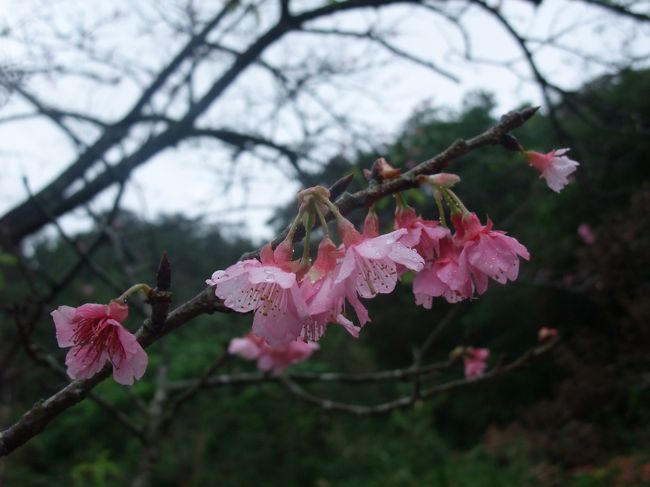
{"x": 422, "y": 235}
{"x": 270, "y": 289}
{"x": 249, "y": 347}
{"x": 96, "y": 335}
{"x": 326, "y": 300}
{"x": 274, "y": 359}
{"x": 488, "y": 253}
{"x": 446, "y": 276}
{"x": 586, "y": 234}
{"x": 370, "y": 263}
{"x": 475, "y": 362}
{"x": 555, "y": 167}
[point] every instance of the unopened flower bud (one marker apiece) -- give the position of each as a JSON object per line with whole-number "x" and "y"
{"x": 382, "y": 171}
{"x": 511, "y": 143}
{"x": 545, "y": 334}
{"x": 445, "y": 179}
{"x": 371, "y": 224}
{"x": 456, "y": 353}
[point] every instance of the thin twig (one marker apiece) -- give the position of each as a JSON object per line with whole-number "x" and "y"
{"x": 405, "y": 401}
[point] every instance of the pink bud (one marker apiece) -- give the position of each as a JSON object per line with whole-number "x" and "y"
{"x": 586, "y": 234}
{"x": 445, "y": 179}
{"x": 475, "y": 362}
{"x": 545, "y": 334}
{"x": 383, "y": 170}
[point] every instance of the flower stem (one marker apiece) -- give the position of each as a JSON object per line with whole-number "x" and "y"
{"x": 454, "y": 199}
{"x": 400, "y": 201}
{"x": 134, "y": 289}
{"x": 332, "y": 207}
{"x": 437, "y": 196}
{"x": 294, "y": 225}
{"x": 309, "y": 223}
{"x": 321, "y": 219}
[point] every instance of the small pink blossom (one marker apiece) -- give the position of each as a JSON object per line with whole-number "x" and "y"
{"x": 371, "y": 263}
{"x": 270, "y": 289}
{"x": 446, "y": 276}
{"x": 422, "y": 235}
{"x": 586, "y": 234}
{"x": 249, "y": 347}
{"x": 488, "y": 253}
{"x": 475, "y": 362}
{"x": 325, "y": 299}
{"x": 555, "y": 167}
{"x": 274, "y": 359}
{"x": 96, "y": 335}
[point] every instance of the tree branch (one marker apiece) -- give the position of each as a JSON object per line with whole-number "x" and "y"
{"x": 405, "y": 401}
{"x": 20, "y": 221}
{"x": 619, "y": 9}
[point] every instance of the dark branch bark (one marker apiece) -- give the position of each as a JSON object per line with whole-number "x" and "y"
{"x": 405, "y": 401}
{"x": 364, "y": 198}
{"x": 619, "y": 9}
{"x": 247, "y": 378}
{"x": 242, "y": 141}
{"x": 22, "y": 221}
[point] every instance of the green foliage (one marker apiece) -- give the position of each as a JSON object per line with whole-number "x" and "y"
{"x": 99, "y": 472}
{"x": 5, "y": 260}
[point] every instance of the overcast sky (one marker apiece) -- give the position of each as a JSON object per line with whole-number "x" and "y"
{"x": 187, "y": 180}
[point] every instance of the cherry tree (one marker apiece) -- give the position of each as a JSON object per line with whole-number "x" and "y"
{"x": 255, "y": 83}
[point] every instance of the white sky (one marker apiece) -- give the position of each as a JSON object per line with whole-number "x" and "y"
{"x": 188, "y": 180}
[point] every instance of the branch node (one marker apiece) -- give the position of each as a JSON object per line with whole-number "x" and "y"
{"x": 161, "y": 296}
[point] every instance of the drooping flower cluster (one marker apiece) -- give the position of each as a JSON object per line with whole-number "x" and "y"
{"x": 295, "y": 298}
{"x": 458, "y": 266}
{"x": 273, "y": 359}
{"x": 291, "y": 300}
{"x": 96, "y": 335}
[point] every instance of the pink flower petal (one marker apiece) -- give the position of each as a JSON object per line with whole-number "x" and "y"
{"x": 63, "y": 317}
{"x": 84, "y": 362}
{"x": 133, "y": 363}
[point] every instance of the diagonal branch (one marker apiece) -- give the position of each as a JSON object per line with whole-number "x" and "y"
{"x": 243, "y": 141}
{"x": 619, "y": 9}
{"x": 20, "y": 221}
{"x": 370, "y": 35}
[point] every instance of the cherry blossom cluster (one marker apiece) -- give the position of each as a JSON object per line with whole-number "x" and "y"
{"x": 294, "y": 300}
